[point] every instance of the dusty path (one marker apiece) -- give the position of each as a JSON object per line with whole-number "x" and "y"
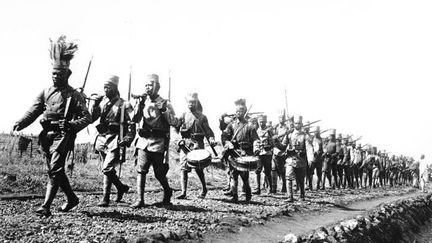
{"x": 277, "y": 228}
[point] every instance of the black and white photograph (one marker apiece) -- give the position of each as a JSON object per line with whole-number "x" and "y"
{"x": 216, "y": 121}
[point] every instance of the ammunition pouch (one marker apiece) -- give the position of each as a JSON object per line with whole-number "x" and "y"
{"x": 50, "y": 126}
{"x": 152, "y": 133}
{"x": 110, "y": 128}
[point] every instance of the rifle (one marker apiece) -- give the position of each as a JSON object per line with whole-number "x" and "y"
{"x": 310, "y": 123}
{"x": 122, "y": 121}
{"x": 168, "y": 138}
{"x": 286, "y": 103}
{"x": 68, "y": 101}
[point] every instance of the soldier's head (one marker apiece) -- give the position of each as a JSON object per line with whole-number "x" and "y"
{"x": 60, "y": 76}
{"x": 422, "y": 156}
{"x": 282, "y": 116}
{"x": 240, "y": 108}
{"x": 332, "y": 134}
{"x": 269, "y": 124}
{"x": 152, "y": 85}
{"x": 262, "y": 121}
{"x": 317, "y": 131}
{"x": 193, "y": 102}
{"x": 111, "y": 86}
{"x": 254, "y": 122}
{"x": 298, "y": 123}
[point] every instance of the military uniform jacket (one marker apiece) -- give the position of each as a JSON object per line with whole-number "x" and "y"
{"x": 297, "y": 141}
{"x": 280, "y": 142}
{"x": 109, "y": 112}
{"x": 317, "y": 144}
{"x": 265, "y": 143}
{"x": 357, "y": 156}
{"x": 154, "y": 125}
{"x": 190, "y": 125}
{"x": 242, "y": 135}
{"x": 51, "y": 104}
{"x": 346, "y": 155}
{"x": 331, "y": 151}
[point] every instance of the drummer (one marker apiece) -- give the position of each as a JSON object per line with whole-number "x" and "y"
{"x": 238, "y": 138}
{"x": 193, "y": 127}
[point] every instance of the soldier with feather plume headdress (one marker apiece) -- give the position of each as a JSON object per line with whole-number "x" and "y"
{"x": 64, "y": 114}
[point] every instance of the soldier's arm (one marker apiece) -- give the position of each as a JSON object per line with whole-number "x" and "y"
{"x": 207, "y": 130}
{"x": 169, "y": 114}
{"x": 95, "y": 111}
{"x": 35, "y": 110}
{"x": 82, "y": 115}
{"x": 130, "y": 126}
{"x": 227, "y": 134}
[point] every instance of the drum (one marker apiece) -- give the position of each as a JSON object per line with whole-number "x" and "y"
{"x": 198, "y": 159}
{"x": 245, "y": 163}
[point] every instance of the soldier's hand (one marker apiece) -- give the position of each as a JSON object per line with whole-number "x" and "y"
{"x": 162, "y": 105}
{"x": 64, "y": 125}
{"x": 212, "y": 142}
{"x": 16, "y": 127}
{"x": 229, "y": 145}
{"x": 122, "y": 143}
{"x": 97, "y": 99}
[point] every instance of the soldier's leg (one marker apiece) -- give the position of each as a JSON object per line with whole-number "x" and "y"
{"x": 234, "y": 186}
{"x": 185, "y": 169}
{"x": 318, "y": 169}
{"x": 245, "y": 178}
{"x": 335, "y": 175}
{"x": 291, "y": 177}
{"x": 274, "y": 174}
{"x": 267, "y": 160}
{"x": 257, "y": 190}
{"x": 142, "y": 168}
{"x": 57, "y": 171}
{"x": 282, "y": 171}
{"x": 104, "y": 202}
{"x": 111, "y": 159}
{"x": 324, "y": 173}
{"x": 201, "y": 176}
{"x": 51, "y": 191}
{"x": 160, "y": 169}
{"x": 310, "y": 174}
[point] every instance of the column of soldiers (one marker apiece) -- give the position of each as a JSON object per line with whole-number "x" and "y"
{"x": 288, "y": 153}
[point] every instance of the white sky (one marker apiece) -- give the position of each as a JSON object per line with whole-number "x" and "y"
{"x": 362, "y": 67}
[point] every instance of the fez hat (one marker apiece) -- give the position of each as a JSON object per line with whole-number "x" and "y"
{"x": 153, "y": 78}
{"x": 241, "y": 102}
{"x": 112, "y": 79}
{"x": 298, "y": 119}
{"x": 61, "y": 52}
{"x": 262, "y": 116}
{"x": 333, "y": 132}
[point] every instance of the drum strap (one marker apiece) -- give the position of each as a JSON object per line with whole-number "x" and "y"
{"x": 238, "y": 131}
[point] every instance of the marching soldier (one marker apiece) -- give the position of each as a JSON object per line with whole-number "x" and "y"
{"x": 346, "y": 162}
{"x": 330, "y": 158}
{"x": 157, "y": 115}
{"x": 264, "y": 146}
{"x": 280, "y": 144}
{"x": 424, "y": 175}
{"x": 338, "y": 173}
{"x": 239, "y": 137}
{"x": 64, "y": 114}
{"x": 357, "y": 161}
{"x": 317, "y": 161}
{"x": 110, "y": 108}
{"x": 297, "y": 161}
{"x": 193, "y": 127}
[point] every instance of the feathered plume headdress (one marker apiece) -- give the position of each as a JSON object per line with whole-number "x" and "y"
{"x": 61, "y": 52}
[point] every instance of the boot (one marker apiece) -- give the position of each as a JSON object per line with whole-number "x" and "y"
{"x": 140, "y": 190}
{"x": 257, "y": 190}
{"x": 290, "y": 191}
{"x": 184, "y": 180}
{"x": 201, "y": 176}
{"x": 234, "y": 189}
{"x": 51, "y": 191}
{"x": 121, "y": 188}
{"x": 273, "y": 181}
{"x": 106, "y": 192}
{"x": 284, "y": 188}
{"x": 228, "y": 188}
{"x": 72, "y": 199}
{"x": 248, "y": 194}
{"x": 167, "y": 191}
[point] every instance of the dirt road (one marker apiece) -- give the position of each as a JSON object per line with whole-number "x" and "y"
{"x": 298, "y": 224}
